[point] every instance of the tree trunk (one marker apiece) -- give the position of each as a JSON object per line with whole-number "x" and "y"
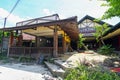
{"x": 102, "y": 41}
{"x": 86, "y": 48}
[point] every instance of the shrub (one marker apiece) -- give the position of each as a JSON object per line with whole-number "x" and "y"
{"x": 3, "y": 55}
{"x": 26, "y": 59}
{"x": 106, "y": 50}
{"x": 85, "y": 73}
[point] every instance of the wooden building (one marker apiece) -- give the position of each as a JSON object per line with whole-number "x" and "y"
{"x": 86, "y": 27}
{"x": 53, "y": 36}
{"x": 112, "y": 37}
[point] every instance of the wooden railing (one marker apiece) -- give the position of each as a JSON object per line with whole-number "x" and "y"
{"x": 32, "y": 51}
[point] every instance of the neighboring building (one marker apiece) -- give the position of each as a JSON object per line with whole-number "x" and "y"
{"x": 113, "y": 37}
{"x": 86, "y": 27}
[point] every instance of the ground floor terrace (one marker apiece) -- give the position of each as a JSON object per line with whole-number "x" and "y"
{"x": 52, "y": 36}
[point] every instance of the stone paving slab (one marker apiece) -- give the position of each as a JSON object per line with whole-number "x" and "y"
{"x": 55, "y": 69}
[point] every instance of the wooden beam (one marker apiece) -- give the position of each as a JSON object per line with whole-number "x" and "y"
{"x": 58, "y": 28}
{"x": 50, "y": 28}
{"x": 57, "y": 22}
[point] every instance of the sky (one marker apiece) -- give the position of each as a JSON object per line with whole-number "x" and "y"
{"x": 29, "y": 9}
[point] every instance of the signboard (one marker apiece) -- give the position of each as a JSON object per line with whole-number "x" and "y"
{"x": 87, "y": 31}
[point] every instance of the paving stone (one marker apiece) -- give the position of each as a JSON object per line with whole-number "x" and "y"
{"x": 55, "y": 69}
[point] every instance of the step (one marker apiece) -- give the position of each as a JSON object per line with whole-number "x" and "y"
{"x": 55, "y": 69}
{"x": 65, "y": 65}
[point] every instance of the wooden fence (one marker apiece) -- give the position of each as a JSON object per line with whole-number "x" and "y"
{"x": 32, "y": 51}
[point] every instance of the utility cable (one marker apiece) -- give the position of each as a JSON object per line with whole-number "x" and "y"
{"x": 13, "y": 8}
{"x": 10, "y": 12}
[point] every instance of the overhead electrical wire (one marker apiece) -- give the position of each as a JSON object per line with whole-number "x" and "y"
{"x": 13, "y": 8}
{"x": 5, "y": 19}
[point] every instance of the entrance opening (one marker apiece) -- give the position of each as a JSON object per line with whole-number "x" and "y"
{"x": 74, "y": 45}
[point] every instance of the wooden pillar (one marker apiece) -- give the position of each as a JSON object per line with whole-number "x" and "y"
{"x": 37, "y": 41}
{"x": 55, "y": 47}
{"x": 20, "y": 39}
{"x": 64, "y": 44}
{"x": 11, "y": 39}
{"x": 10, "y": 43}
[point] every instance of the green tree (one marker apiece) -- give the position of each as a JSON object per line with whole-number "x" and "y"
{"x": 1, "y": 33}
{"x": 81, "y": 42}
{"x": 113, "y": 10}
{"x": 100, "y": 30}
{"x": 6, "y": 34}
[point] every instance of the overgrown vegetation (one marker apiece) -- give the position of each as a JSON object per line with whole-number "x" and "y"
{"x": 86, "y": 73}
{"x": 3, "y": 55}
{"x": 26, "y": 59}
{"x": 6, "y": 34}
{"x": 100, "y": 31}
{"x": 106, "y": 50}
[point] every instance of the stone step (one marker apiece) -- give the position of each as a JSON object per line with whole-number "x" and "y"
{"x": 65, "y": 65}
{"x": 56, "y": 70}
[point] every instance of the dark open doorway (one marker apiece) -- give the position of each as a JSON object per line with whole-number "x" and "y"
{"x": 74, "y": 45}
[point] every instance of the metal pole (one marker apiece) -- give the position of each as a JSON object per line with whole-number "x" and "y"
{"x": 3, "y": 33}
{"x": 4, "y": 26}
